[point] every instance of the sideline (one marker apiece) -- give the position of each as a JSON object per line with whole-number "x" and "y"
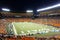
{"x": 15, "y": 32}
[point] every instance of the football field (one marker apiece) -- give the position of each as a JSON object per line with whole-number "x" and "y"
{"x": 34, "y": 29}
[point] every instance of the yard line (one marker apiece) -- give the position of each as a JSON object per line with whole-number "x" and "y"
{"x": 14, "y": 29}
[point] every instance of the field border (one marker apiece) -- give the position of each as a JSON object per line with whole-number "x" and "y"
{"x": 14, "y": 29}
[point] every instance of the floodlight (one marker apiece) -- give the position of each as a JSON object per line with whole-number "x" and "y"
{"x": 47, "y": 8}
{"x": 29, "y": 11}
{"x": 5, "y": 9}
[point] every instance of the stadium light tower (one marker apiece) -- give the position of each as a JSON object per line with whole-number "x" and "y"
{"x": 28, "y": 11}
{"x": 50, "y": 7}
{"x": 5, "y": 9}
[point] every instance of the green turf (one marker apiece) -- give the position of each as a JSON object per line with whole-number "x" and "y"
{"x": 47, "y": 34}
{"x": 29, "y": 26}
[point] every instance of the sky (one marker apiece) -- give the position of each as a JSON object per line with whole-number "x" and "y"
{"x": 23, "y": 5}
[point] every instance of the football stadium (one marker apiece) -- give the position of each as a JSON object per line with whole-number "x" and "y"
{"x": 28, "y": 28}
{"x": 25, "y": 23}
{"x": 33, "y": 29}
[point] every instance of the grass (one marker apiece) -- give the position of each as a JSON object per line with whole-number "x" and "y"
{"x": 29, "y": 26}
{"x": 47, "y": 34}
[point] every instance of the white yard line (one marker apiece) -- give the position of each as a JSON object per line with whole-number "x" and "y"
{"x": 14, "y": 29}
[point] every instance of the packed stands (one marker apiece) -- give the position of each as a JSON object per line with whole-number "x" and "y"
{"x": 47, "y": 21}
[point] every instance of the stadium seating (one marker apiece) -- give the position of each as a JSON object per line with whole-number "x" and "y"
{"x": 49, "y": 21}
{"x": 28, "y": 38}
{"x": 10, "y": 38}
{"x": 53, "y": 22}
